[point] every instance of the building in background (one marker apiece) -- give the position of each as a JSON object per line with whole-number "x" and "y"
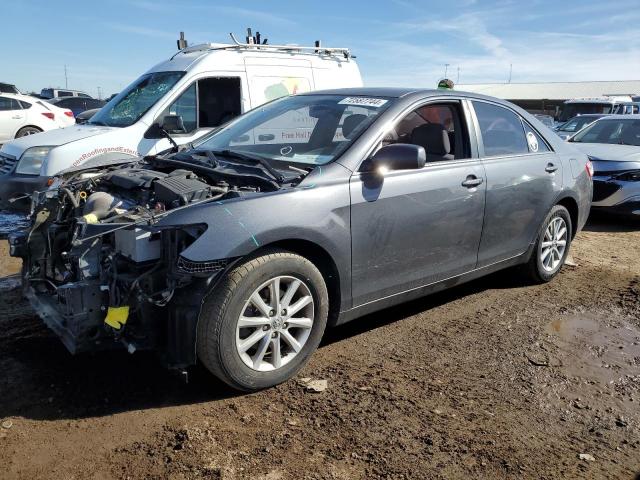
{"x": 548, "y": 98}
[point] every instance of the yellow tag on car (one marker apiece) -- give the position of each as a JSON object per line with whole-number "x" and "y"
{"x": 117, "y": 317}
{"x": 91, "y": 218}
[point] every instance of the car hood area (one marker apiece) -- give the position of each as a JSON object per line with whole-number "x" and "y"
{"x": 57, "y": 137}
{"x": 607, "y": 151}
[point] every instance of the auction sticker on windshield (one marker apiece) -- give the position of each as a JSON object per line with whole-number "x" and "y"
{"x": 363, "y": 101}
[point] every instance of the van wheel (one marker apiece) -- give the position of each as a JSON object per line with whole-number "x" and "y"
{"x": 263, "y": 321}
{"x": 24, "y": 131}
{"x": 552, "y": 247}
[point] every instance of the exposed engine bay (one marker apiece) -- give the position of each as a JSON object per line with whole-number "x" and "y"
{"x": 103, "y": 274}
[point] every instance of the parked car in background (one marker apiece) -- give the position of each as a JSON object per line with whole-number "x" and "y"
{"x": 21, "y": 115}
{"x": 8, "y": 88}
{"x": 49, "y": 93}
{"x": 85, "y": 116}
{"x": 240, "y": 251}
{"x": 613, "y": 145}
{"x": 77, "y": 104}
{"x": 546, "y": 120}
{"x": 207, "y": 85}
{"x": 576, "y": 124}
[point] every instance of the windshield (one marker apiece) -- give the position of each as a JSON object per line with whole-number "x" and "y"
{"x": 46, "y": 93}
{"x": 574, "y": 109}
{"x": 305, "y": 129}
{"x": 576, "y": 124}
{"x": 616, "y": 131}
{"x": 134, "y": 101}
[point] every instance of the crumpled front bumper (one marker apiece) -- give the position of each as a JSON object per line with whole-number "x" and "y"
{"x": 616, "y": 196}
{"x": 74, "y": 314}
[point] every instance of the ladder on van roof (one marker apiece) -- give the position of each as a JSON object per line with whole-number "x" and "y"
{"x": 317, "y": 48}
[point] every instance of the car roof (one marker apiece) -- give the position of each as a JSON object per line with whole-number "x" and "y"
{"x": 634, "y": 116}
{"x": 20, "y": 96}
{"x": 399, "y": 92}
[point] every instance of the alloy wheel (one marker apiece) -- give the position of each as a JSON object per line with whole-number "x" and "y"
{"x": 275, "y": 323}
{"x": 554, "y": 244}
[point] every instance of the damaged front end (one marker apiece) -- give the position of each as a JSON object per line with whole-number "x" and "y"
{"x": 102, "y": 273}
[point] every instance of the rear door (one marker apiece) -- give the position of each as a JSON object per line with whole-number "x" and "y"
{"x": 523, "y": 178}
{"x": 12, "y": 117}
{"x": 415, "y": 227}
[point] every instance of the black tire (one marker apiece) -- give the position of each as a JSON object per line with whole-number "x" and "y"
{"x": 216, "y": 336}
{"x": 24, "y": 131}
{"x": 534, "y": 270}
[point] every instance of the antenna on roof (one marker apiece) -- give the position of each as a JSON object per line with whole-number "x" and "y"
{"x": 254, "y": 39}
{"x": 182, "y": 43}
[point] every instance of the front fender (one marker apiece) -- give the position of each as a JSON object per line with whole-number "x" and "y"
{"x": 238, "y": 227}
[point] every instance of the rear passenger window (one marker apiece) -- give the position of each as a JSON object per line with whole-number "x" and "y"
{"x": 535, "y": 142}
{"x": 62, "y": 93}
{"x": 25, "y": 105}
{"x": 501, "y": 129}
{"x": 9, "y": 104}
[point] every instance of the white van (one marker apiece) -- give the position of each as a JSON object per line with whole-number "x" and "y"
{"x": 592, "y": 105}
{"x": 206, "y": 85}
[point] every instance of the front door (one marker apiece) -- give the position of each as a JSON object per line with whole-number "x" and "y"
{"x": 415, "y": 227}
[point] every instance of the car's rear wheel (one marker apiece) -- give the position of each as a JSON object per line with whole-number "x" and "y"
{"x": 552, "y": 246}
{"x": 24, "y": 131}
{"x": 262, "y": 322}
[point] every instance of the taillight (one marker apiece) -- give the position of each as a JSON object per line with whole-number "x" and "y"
{"x": 69, "y": 113}
{"x": 49, "y": 115}
{"x": 589, "y": 168}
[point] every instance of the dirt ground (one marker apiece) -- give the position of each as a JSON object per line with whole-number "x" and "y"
{"x": 493, "y": 379}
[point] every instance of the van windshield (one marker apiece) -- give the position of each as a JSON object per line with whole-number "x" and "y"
{"x": 134, "y": 101}
{"x": 303, "y": 129}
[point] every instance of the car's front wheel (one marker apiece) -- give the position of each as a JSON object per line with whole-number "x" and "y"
{"x": 263, "y": 320}
{"x": 552, "y": 246}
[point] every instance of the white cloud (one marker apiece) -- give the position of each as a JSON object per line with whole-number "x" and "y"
{"x": 484, "y": 46}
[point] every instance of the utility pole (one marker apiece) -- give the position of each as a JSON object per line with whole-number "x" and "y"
{"x": 510, "y": 72}
{"x": 99, "y": 93}
{"x": 66, "y": 82}
{"x": 446, "y": 67}
{"x": 458, "y": 76}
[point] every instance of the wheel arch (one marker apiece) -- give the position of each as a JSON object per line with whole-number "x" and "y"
{"x": 27, "y": 126}
{"x": 323, "y": 261}
{"x": 571, "y": 205}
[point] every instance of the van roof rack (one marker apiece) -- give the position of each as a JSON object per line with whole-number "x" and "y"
{"x": 252, "y": 45}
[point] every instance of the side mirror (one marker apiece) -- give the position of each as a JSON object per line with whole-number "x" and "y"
{"x": 397, "y": 156}
{"x": 173, "y": 123}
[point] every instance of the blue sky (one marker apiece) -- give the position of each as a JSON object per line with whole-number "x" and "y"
{"x": 397, "y": 42}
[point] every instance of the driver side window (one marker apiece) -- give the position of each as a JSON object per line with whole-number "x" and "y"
{"x": 437, "y": 127}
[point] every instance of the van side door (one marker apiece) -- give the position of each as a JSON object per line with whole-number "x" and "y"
{"x": 205, "y": 104}
{"x": 523, "y": 178}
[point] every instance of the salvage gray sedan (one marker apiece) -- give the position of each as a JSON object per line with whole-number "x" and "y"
{"x": 309, "y": 211}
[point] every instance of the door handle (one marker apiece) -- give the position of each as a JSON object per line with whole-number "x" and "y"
{"x": 472, "y": 181}
{"x": 550, "y": 168}
{"x": 17, "y": 117}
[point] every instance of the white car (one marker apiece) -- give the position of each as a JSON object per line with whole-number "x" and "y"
{"x": 204, "y": 85}
{"x": 22, "y": 115}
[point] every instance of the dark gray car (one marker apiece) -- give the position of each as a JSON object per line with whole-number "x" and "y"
{"x": 309, "y": 211}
